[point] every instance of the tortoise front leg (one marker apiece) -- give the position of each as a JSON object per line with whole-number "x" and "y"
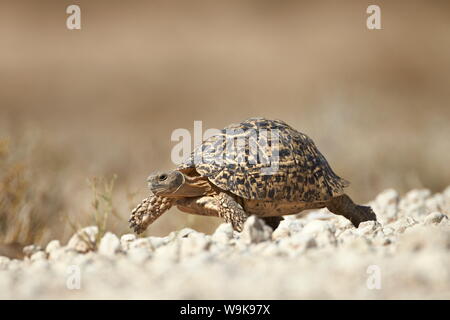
{"x": 148, "y": 211}
{"x": 231, "y": 211}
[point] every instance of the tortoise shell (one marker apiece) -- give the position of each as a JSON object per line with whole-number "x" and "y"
{"x": 262, "y": 159}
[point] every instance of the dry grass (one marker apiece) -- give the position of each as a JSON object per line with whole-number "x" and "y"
{"x": 104, "y": 101}
{"x": 30, "y": 200}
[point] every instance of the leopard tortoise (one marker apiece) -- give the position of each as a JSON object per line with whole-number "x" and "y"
{"x": 240, "y": 172}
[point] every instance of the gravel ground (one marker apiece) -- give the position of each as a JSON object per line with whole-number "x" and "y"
{"x": 406, "y": 254}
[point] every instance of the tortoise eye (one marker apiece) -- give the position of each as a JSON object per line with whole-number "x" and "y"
{"x": 163, "y": 177}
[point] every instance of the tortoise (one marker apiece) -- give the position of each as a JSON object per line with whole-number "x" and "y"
{"x": 231, "y": 176}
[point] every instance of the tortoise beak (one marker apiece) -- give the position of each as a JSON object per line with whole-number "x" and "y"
{"x": 154, "y": 186}
{"x": 156, "y": 189}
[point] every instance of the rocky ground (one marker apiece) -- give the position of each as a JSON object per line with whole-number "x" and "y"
{"x": 404, "y": 255}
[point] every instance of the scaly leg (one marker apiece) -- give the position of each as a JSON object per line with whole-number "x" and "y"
{"x": 231, "y": 211}
{"x": 344, "y": 206}
{"x": 148, "y": 211}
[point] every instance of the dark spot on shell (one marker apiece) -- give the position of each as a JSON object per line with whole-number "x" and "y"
{"x": 278, "y": 178}
{"x": 284, "y": 153}
{"x": 262, "y": 123}
{"x": 247, "y": 125}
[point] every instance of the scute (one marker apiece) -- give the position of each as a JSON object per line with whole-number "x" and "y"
{"x": 303, "y": 172}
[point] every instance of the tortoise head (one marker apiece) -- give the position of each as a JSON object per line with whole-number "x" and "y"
{"x": 165, "y": 183}
{"x": 177, "y": 184}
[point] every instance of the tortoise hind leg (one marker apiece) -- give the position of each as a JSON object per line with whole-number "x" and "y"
{"x": 344, "y": 206}
{"x": 272, "y": 222}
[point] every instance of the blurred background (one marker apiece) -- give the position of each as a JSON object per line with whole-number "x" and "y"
{"x": 102, "y": 101}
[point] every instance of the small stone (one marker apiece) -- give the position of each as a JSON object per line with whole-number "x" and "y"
{"x": 306, "y": 240}
{"x": 361, "y": 244}
{"x": 84, "y": 240}
{"x": 28, "y": 251}
{"x": 40, "y": 255}
{"x": 169, "y": 253}
{"x": 282, "y": 231}
{"x": 52, "y": 246}
{"x": 388, "y": 197}
{"x": 368, "y": 227}
{"x": 14, "y": 264}
{"x": 143, "y": 243}
{"x": 434, "y": 218}
{"x": 297, "y": 242}
{"x": 388, "y": 231}
{"x": 447, "y": 192}
{"x": 343, "y": 223}
{"x": 422, "y": 237}
{"x": 39, "y": 265}
{"x": 157, "y": 242}
{"x": 109, "y": 244}
{"x": 57, "y": 254}
{"x": 255, "y": 231}
{"x": 347, "y": 233}
{"x": 295, "y": 226}
{"x": 418, "y": 195}
{"x": 271, "y": 250}
{"x": 382, "y": 241}
{"x": 138, "y": 255}
{"x": 126, "y": 239}
{"x": 194, "y": 244}
{"x": 435, "y": 203}
{"x": 318, "y": 226}
{"x": 386, "y": 205}
{"x": 414, "y": 202}
{"x": 181, "y": 233}
{"x": 402, "y": 224}
{"x": 223, "y": 234}
{"x": 319, "y": 214}
{"x": 4, "y": 262}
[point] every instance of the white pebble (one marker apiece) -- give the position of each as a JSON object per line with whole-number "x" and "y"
{"x": 84, "y": 240}
{"x": 434, "y": 217}
{"x": 28, "y": 251}
{"x": 109, "y": 244}
{"x": 223, "y": 234}
{"x": 126, "y": 239}
{"x": 40, "y": 255}
{"x": 52, "y": 246}
{"x": 255, "y": 231}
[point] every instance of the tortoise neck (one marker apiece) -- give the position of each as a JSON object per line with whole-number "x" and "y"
{"x": 192, "y": 187}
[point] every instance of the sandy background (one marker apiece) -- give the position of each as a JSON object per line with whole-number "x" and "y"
{"x": 104, "y": 100}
